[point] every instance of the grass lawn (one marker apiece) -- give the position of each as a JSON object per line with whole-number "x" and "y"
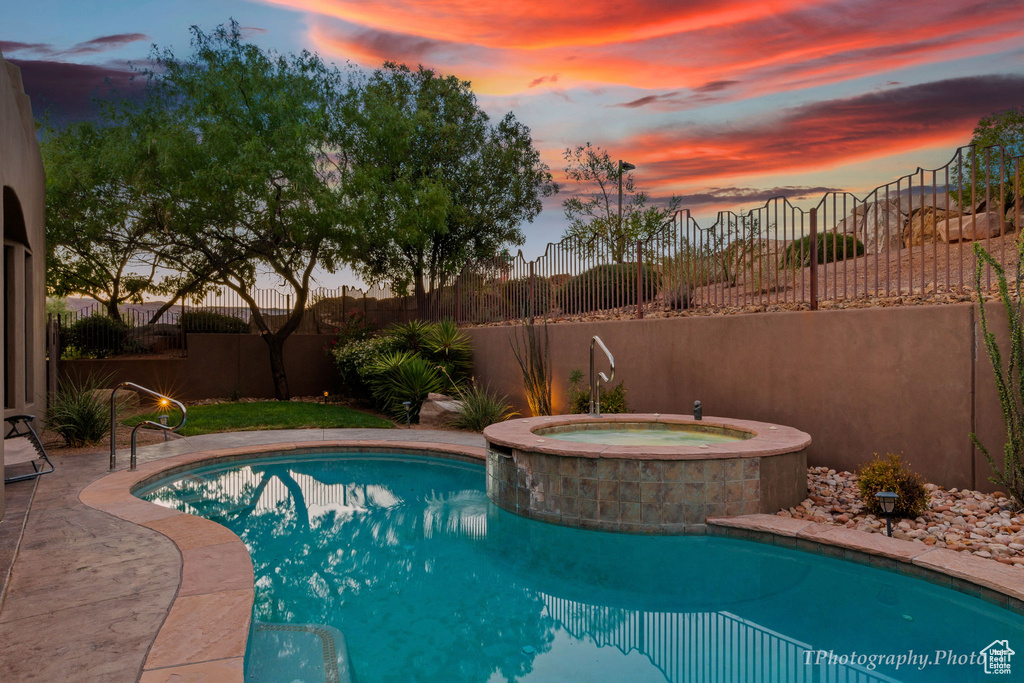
{"x": 238, "y": 417}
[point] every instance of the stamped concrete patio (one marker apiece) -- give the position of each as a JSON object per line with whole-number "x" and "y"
{"x": 85, "y": 593}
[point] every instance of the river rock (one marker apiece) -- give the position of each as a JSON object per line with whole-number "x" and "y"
{"x": 972, "y": 227}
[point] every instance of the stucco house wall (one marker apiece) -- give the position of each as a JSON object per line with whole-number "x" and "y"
{"x": 22, "y": 268}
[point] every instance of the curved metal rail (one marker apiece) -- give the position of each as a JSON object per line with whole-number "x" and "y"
{"x": 595, "y": 390}
{"x": 164, "y": 400}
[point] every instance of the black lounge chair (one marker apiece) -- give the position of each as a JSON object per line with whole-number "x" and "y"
{"x": 22, "y": 447}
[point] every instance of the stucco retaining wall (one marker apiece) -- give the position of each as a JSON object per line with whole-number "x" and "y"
{"x": 859, "y": 381}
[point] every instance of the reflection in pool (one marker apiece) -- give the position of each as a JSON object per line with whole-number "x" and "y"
{"x": 428, "y": 581}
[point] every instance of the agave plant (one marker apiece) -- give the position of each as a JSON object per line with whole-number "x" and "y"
{"x": 412, "y": 335}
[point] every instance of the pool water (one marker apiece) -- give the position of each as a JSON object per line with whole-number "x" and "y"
{"x": 643, "y": 437}
{"x": 422, "y": 579}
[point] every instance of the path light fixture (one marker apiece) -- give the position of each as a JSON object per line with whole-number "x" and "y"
{"x": 406, "y": 405}
{"x": 887, "y": 501}
{"x": 325, "y": 398}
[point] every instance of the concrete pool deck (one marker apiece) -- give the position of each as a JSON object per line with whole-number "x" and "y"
{"x": 88, "y": 592}
{"x": 94, "y": 597}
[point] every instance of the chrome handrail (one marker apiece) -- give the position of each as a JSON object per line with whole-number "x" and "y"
{"x": 595, "y": 391}
{"x": 149, "y": 423}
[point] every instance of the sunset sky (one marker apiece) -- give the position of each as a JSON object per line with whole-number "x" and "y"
{"x": 726, "y": 103}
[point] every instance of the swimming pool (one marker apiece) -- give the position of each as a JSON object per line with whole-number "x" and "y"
{"x": 404, "y": 568}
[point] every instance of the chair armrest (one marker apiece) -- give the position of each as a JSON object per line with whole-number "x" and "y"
{"x": 15, "y": 418}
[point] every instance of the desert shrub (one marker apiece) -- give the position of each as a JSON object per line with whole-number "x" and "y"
{"x": 399, "y": 376}
{"x": 612, "y": 400}
{"x": 532, "y": 354}
{"x": 607, "y": 286}
{"x": 831, "y": 247}
{"x": 516, "y": 295}
{"x": 96, "y": 335}
{"x": 78, "y": 412}
{"x": 210, "y": 322}
{"x": 480, "y": 408}
{"x": 355, "y": 360}
{"x": 892, "y": 474}
{"x": 451, "y": 349}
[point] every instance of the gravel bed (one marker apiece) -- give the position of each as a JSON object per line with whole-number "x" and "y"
{"x": 988, "y": 525}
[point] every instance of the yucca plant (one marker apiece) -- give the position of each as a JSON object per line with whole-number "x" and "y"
{"x": 481, "y": 408}
{"x": 78, "y": 413}
{"x": 400, "y": 376}
{"x": 410, "y": 336}
{"x": 452, "y": 349}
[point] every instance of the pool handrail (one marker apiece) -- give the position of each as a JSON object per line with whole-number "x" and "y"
{"x": 146, "y": 423}
{"x": 595, "y": 391}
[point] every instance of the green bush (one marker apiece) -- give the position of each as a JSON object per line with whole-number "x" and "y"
{"x": 892, "y": 474}
{"x": 607, "y": 286}
{"x": 516, "y": 295}
{"x": 480, "y": 408}
{"x": 612, "y": 401}
{"x": 831, "y": 247}
{"x": 355, "y": 360}
{"x": 96, "y": 335}
{"x": 78, "y": 413}
{"x": 212, "y": 323}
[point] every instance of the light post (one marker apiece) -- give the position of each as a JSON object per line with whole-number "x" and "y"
{"x": 887, "y": 501}
{"x": 623, "y": 167}
{"x": 408, "y": 406}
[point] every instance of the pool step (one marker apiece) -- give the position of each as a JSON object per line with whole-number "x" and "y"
{"x": 310, "y": 653}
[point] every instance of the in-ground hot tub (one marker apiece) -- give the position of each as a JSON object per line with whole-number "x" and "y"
{"x": 643, "y": 473}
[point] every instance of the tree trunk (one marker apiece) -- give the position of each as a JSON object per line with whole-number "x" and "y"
{"x": 112, "y": 310}
{"x": 275, "y": 345}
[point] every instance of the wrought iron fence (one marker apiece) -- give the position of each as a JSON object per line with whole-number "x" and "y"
{"x": 912, "y": 237}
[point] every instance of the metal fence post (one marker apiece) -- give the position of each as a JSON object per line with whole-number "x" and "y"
{"x": 814, "y": 259}
{"x": 639, "y": 279}
{"x": 531, "y": 291}
{"x": 458, "y": 297}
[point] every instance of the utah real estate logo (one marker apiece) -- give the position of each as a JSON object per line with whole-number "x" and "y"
{"x": 997, "y": 657}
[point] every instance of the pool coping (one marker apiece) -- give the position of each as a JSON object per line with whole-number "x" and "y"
{"x": 768, "y": 439}
{"x": 991, "y": 581}
{"x": 206, "y": 630}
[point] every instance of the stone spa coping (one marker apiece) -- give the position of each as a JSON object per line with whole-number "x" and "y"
{"x": 205, "y": 633}
{"x": 766, "y": 439}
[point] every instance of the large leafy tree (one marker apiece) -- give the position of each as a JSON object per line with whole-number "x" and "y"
{"x": 593, "y": 211}
{"x": 435, "y": 182}
{"x": 247, "y": 170}
{"x": 99, "y": 222}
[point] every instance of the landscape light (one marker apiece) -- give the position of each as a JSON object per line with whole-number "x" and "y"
{"x": 887, "y": 501}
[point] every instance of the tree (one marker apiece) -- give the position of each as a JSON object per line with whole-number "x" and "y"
{"x": 593, "y": 213}
{"x": 248, "y": 170}
{"x": 435, "y": 184}
{"x": 992, "y": 170}
{"x": 98, "y": 219}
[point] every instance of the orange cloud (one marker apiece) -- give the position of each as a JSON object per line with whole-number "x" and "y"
{"x": 825, "y": 134}
{"x": 756, "y": 47}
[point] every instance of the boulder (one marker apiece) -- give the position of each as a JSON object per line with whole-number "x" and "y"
{"x": 437, "y": 412}
{"x": 921, "y": 228}
{"x": 973, "y": 227}
{"x": 877, "y": 224}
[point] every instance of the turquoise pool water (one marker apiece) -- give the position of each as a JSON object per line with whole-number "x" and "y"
{"x": 405, "y": 567}
{"x": 643, "y": 437}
